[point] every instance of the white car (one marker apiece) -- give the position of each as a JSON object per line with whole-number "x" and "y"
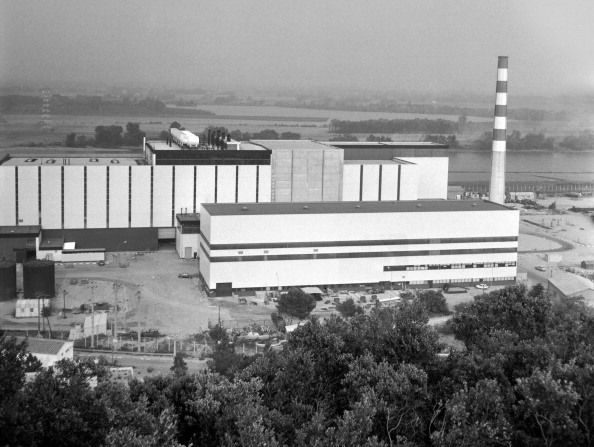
{"x": 482, "y": 286}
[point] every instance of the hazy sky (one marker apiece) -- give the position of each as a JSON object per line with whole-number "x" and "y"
{"x": 417, "y": 45}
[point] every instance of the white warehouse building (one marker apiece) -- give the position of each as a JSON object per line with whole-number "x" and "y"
{"x": 425, "y": 243}
{"x": 129, "y": 203}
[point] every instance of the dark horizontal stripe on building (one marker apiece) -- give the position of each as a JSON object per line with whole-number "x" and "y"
{"x": 380, "y": 254}
{"x": 499, "y": 134}
{"x": 256, "y": 246}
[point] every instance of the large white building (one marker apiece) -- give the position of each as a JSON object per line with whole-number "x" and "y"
{"x": 424, "y": 243}
{"x": 91, "y": 205}
{"x": 264, "y": 214}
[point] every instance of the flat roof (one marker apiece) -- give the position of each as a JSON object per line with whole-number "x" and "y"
{"x": 395, "y": 161}
{"x": 73, "y": 161}
{"x": 247, "y": 146}
{"x": 14, "y": 231}
{"x": 403, "y": 206}
{"x": 51, "y": 243}
{"x": 386, "y": 144}
{"x": 292, "y": 144}
{"x": 188, "y": 217}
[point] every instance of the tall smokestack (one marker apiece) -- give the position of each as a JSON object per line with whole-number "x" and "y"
{"x": 497, "y": 189}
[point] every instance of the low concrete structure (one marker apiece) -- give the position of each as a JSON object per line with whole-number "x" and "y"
{"x": 30, "y": 308}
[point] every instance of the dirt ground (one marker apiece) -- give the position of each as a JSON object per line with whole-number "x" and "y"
{"x": 149, "y": 290}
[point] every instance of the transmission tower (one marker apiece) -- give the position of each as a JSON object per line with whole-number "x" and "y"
{"x": 46, "y": 112}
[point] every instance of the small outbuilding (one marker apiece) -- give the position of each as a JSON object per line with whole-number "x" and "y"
{"x": 187, "y": 233}
{"x": 570, "y": 285}
{"x": 48, "y": 351}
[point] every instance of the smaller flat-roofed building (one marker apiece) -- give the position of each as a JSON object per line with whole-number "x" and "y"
{"x": 18, "y": 243}
{"x": 187, "y": 233}
{"x": 49, "y": 351}
{"x": 419, "y": 243}
{"x": 569, "y": 285}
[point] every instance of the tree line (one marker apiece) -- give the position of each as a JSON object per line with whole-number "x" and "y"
{"x": 108, "y": 137}
{"x": 417, "y": 125}
{"x": 584, "y": 141}
{"x": 394, "y": 106}
{"x": 524, "y": 377}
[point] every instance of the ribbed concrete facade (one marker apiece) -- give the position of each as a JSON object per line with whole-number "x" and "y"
{"x": 497, "y": 189}
{"x": 305, "y": 175}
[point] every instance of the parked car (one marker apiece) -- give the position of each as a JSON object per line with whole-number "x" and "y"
{"x": 540, "y": 268}
{"x": 184, "y": 275}
{"x": 101, "y": 263}
{"x": 73, "y": 281}
{"x": 482, "y": 286}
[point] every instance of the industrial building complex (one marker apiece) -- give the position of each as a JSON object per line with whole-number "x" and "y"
{"x": 265, "y": 213}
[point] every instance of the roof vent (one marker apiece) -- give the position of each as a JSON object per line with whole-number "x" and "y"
{"x": 357, "y": 206}
{"x": 474, "y": 204}
{"x": 418, "y": 205}
{"x": 305, "y": 207}
{"x": 244, "y": 208}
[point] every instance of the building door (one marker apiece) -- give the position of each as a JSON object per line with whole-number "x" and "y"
{"x": 224, "y": 289}
{"x": 188, "y": 253}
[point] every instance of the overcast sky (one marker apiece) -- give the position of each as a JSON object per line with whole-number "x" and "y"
{"x": 416, "y": 45}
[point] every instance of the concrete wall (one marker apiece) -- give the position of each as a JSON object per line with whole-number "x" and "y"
{"x": 432, "y": 177}
{"x": 128, "y": 204}
{"x": 306, "y": 175}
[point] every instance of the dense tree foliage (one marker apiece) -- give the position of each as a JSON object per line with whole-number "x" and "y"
{"x": 582, "y": 142}
{"x": 348, "y": 308}
{"x": 378, "y": 138}
{"x": 343, "y": 137}
{"x": 515, "y": 141}
{"x": 296, "y": 303}
{"x": 526, "y": 378}
{"x": 450, "y": 140}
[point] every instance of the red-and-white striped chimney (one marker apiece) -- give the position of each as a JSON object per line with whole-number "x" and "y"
{"x": 497, "y": 189}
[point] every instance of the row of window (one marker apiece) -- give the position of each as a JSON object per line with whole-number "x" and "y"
{"x": 462, "y": 280}
{"x": 476, "y": 265}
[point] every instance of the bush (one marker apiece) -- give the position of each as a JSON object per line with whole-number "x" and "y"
{"x": 434, "y": 302}
{"x": 349, "y": 308}
{"x": 296, "y": 303}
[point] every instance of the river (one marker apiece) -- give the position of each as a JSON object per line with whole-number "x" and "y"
{"x": 529, "y": 166}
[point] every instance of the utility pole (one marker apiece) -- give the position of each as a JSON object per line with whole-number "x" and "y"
{"x": 38, "y": 315}
{"x": 64, "y": 307}
{"x": 93, "y": 285}
{"x": 138, "y": 317}
{"x": 116, "y": 286}
{"x": 92, "y": 324}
